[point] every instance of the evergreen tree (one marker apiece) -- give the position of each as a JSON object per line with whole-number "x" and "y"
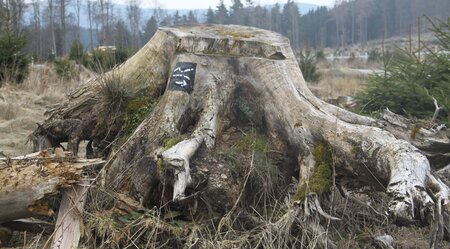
{"x": 14, "y": 61}
{"x": 167, "y": 20}
{"x": 210, "y": 18}
{"x": 307, "y": 64}
{"x": 237, "y": 12}
{"x": 275, "y": 18}
{"x": 291, "y": 22}
{"x": 191, "y": 18}
{"x": 122, "y": 36}
{"x": 411, "y": 85}
{"x": 76, "y": 52}
{"x": 221, "y": 13}
{"x": 150, "y": 29}
{"x": 176, "y": 18}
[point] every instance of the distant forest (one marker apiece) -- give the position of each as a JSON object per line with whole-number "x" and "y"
{"x": 51, "y": 26}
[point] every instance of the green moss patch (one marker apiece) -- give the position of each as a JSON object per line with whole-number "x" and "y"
{"x": 320, "y": 181}
{"x": 136, "y": 111}
{"x": 170, "y": 142}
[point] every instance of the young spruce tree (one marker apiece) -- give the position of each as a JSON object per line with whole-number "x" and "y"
{"x": 414, "y": 80}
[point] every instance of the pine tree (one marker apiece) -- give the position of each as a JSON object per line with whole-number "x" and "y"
{"x": 150, "y": 29}
{"x": 412, "y": 85}
{"x": 221, "y": 13}
{"x": 14, "y": 61}
{"x": 210, "y": 18}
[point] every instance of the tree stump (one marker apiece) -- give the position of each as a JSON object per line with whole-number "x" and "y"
{"x": 206, "y": 81}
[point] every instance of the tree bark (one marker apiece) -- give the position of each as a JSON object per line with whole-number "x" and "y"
{"x": 240, "y": 74}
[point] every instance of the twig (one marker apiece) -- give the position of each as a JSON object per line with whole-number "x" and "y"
{"x": 436, "y": 111}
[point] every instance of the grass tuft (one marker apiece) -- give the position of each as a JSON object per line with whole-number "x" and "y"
{"x": 114, "y": 94}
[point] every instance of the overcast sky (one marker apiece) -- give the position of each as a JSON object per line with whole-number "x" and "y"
{"x": 204, "y": 4}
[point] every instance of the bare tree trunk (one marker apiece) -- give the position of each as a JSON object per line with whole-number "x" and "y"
{"x": 216, "y": 77}
{"x": 37, "y": 27}
{"x": 78, "y": 9}
{"x": 134, "y": 16}
{"x": 62, "y": 16}
{"x": 89, "y": 8}
{"x": 52, "y": 26}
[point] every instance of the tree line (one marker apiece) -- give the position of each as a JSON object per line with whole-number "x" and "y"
{"x": 348, "y": 22}
{"x": 51, "y": 26}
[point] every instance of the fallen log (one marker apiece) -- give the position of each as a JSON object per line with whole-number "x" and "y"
{"x": 28, "y": 181}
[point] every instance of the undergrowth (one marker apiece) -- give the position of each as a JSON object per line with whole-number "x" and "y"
{"x": 253, "y": 147}
{"x": 120, "y": 226}
{"x": 65, "y": 69}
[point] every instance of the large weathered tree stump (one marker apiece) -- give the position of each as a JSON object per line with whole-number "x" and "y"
{"x": 206, "y": 79}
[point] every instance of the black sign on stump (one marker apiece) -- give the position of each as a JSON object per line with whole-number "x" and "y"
{"x": 183, "y": 76}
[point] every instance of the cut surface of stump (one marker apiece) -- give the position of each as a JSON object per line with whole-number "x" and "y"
{"x": 203, "y": 83}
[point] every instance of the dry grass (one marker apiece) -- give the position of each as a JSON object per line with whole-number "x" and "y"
{"x": 332, "y": 85}
{"x": 338, "y": 80}
{"x": 23, "y": 105}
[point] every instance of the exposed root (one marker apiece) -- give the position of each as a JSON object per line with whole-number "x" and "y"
{"x": 384, "y": 241}
{"x": 439, "y": 225}
{"x": 279, "y": 233}
{"x": 409, "y": 171}
{"x": 315, "y": 235}
{"x": 178, "y": 157}
{"x": 312, "y": 204}
{"x": 349, "y": 196}
{"x": 437, "y": 233}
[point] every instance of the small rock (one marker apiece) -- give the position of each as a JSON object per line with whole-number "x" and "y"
{"x": 223, "y": 176}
